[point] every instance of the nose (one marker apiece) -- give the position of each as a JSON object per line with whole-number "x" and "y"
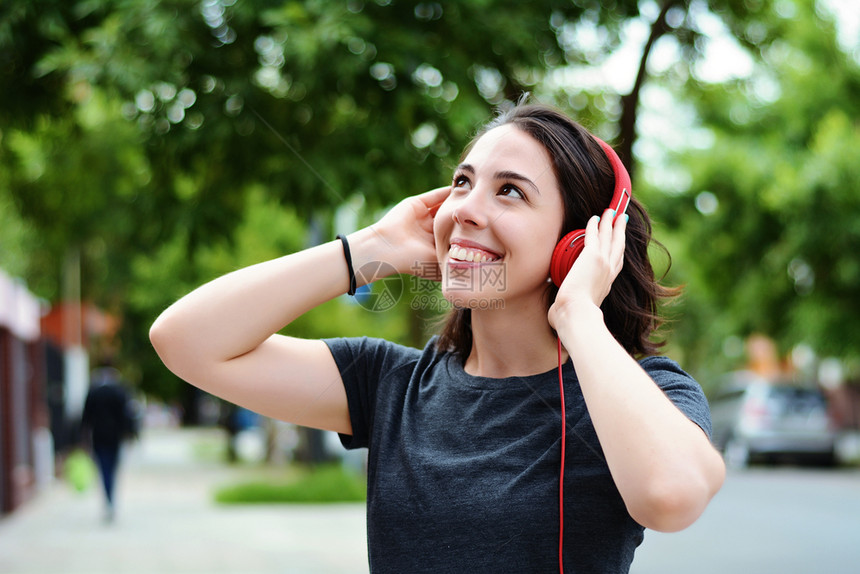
{"x": 471, "y": 210}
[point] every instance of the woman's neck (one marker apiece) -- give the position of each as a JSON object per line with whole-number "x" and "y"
{"x": 512, "y": 342}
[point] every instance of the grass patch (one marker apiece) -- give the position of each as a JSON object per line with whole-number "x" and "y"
{"x": 324, "y": 484}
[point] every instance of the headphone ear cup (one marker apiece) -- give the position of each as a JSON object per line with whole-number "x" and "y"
{"x": 564, "y": 254}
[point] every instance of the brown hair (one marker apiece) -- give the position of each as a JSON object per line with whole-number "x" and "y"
{"x": 587, "y": 183}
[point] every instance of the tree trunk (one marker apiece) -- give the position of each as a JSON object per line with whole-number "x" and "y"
{"x": 630, "y": 102}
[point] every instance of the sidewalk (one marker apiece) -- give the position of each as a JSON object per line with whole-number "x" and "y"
{"x": 167, "y": 523}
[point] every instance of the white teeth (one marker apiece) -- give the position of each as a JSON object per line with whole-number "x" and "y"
{"x": 463, "y": 254}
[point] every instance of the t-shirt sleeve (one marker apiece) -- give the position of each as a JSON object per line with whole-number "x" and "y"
{"x": 363, "y": 362}
{"x": 682, "y": 389}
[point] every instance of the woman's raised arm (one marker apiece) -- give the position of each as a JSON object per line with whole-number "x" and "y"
{"x": 662, "y": 463}
{"x": 221, "y": 336}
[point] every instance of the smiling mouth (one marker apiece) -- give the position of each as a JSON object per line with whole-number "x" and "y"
{"x": 471, "y": 255}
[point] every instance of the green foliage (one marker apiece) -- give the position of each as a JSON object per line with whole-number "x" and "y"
{"x": 15, "y": 237}
{"x": 324, "y": 484}
{"x": 170, "y": 141}
{"x": 80, "y": 181}
{"x": 775, "y": 253}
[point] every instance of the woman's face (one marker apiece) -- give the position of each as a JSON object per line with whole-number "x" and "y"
{"x": 496, "y": 231}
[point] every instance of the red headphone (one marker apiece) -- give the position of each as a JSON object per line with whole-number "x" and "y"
{"x": 570, "y": 246}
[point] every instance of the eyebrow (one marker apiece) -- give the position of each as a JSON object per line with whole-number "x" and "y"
{"x": 503, "y": 175}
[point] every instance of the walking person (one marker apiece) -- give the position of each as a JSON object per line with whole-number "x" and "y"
{"x": 540, "y": 430}
{"x": 108, "y": 419}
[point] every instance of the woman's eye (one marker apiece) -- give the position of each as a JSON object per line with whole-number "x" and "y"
{"x": 460, "y": 181}
{"x": 512, "y": 191}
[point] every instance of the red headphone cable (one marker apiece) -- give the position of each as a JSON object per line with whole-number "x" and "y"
{"x": 561, "y": 477}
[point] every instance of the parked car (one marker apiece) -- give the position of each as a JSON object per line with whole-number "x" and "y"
{"x": 758, "y": 418}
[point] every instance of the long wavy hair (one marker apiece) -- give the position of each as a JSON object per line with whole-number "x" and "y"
{"x": 587, "y": 183}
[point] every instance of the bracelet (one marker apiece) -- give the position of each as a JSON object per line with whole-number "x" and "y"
{"x": 349, "y": 268}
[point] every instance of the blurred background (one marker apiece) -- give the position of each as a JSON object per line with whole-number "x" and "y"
{"x": 147, "y": 146}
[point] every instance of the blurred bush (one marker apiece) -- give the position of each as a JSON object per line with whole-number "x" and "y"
{"x": 322, "y": 484}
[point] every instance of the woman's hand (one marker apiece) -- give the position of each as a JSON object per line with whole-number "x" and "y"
{"x": 406, "y": 233}
{"x": 590, "y": 279}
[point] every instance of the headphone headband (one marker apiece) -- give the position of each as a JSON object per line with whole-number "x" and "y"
{"x": 623, "y": 188}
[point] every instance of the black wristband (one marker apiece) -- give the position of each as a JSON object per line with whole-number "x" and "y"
{"x": 349, "y": 268}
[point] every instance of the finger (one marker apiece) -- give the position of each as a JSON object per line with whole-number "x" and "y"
{"x": 619, "y": 241}
{"x": 592, "y": 230}
{"x": 606, "y": 224}
{"x": 434, "y": 198}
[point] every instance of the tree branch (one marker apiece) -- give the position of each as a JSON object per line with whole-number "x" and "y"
{"x": 630, "y": 102}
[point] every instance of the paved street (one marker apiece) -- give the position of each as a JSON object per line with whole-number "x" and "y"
{"x": 167, "y": 524}
{"x": 782, "y": 520}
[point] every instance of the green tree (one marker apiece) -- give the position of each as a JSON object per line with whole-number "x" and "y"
{"x": 769, "y": 226}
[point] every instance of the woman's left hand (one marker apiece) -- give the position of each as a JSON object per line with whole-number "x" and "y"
{"x": 597, "y": 266}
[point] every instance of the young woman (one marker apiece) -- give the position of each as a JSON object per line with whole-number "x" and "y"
{"x": 464, "y": 437}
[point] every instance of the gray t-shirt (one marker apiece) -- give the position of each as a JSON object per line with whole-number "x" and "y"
{"x": 463, "y": 471}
